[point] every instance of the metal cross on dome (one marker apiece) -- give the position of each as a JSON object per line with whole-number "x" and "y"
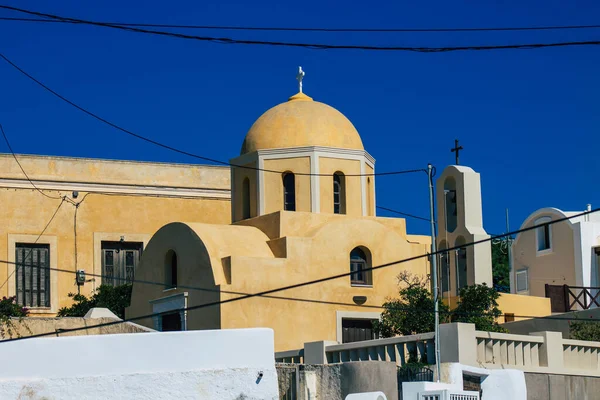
{"x": 300, "y": 76}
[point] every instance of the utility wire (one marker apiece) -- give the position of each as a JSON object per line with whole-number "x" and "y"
{"x": 402, "y": 213}
{"x": 316, "y": 46}
{"x": 22, "y": 170}
{"x": 35, "y": 241}
{"x": 312, "y": 282}
{"x": 174, "y": 149}
{"x": 318, "y": 29}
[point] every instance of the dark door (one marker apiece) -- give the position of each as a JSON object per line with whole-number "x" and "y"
{"x": 171, "y": 322}
{"x": 357, "y": 330}
{"x": 119, "y": 261}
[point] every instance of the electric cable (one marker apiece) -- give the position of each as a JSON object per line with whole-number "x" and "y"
{"x": 35, "y": 242}
{"x": 177, "y": 150}
{"x": 316, "y": 46}
{"x": 320, "y": 280}
{"x": 22, "y": 170}
{"x": 318, "y": 29}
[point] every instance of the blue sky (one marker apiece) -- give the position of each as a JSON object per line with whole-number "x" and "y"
{"x": 528, "y": 119}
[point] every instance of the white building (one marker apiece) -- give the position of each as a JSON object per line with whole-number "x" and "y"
{"x": 564, "y": 253}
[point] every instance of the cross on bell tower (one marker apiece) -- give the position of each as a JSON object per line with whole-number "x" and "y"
{"x": 456, "y": 150}
{"x": 300, "y": 77}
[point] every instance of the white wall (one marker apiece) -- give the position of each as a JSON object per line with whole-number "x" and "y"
{"x": 220, "y": 364}
{"x": 497, "y": 384}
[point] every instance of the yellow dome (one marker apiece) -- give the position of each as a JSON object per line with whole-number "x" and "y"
{"x": 301, "y": 122}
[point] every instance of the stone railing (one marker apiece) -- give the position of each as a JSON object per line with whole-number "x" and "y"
{"x": 398, "y": 349}
{"x": 290, "y": 357}
{"x": 505, "y": 349}
{"x": 544, "y": 352}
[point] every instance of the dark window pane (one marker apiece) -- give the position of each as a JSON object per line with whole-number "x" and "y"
{"x": 109, "y": 257}
{"x": 129, "y": 258}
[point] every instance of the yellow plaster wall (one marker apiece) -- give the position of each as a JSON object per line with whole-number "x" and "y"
{"x": 353, "y": 187}
{"x": 69, "y": 169}
{"x": 521, "y": 307}
{"x": 324, "y": 253}
{"x": 25, "y": 212}
{"x": 273, "y": 185}
{"x": 313, "y": 251}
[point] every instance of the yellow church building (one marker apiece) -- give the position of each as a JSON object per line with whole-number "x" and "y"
{"x": 303, "y": 208}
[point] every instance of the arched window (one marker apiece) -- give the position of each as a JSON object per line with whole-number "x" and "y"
{"x": 339, "y": 193}
{"x": 461, "y": 264}
{"x": 543, "y": 234}
{"x": 444, "y": 258}
{"x": 289, "y": 191}
{"x": 246, "y": 198}
{"x": 360, "y": 259}
{"x": 450, "y": 204}
{"x": 171, "y": 269}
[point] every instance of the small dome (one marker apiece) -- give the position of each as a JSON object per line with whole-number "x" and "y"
{"x": 301, "y": 122}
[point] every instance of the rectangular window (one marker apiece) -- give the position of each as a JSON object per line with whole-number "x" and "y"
{"x": 543, "y": 234}
{"x": 357, "y": 330}
{"x": 119, "y": 261}
{"x": 522, "y": 280}
{"x": 32, "y": 263}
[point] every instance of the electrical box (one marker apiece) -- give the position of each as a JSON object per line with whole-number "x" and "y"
{"x": 80, "y": 277}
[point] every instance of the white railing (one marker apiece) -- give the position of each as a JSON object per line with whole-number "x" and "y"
{"x": 581, "y": 355}
{"x": 398, "y": 349}
{"x": 543, "y": 352}
{"x": 448, "y": 395}
{"x": 506, "y": 349}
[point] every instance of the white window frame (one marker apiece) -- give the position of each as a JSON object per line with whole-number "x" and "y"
{"x": 522, "y": 271}
{"x": 539, "y": 221}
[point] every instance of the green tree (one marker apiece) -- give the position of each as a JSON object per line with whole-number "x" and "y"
{"x": 478, "y": 305}
{"x": 500, "y": 266}
{"x": 115, "y": 298}
{"x": 9, "y": 309}
{"x": 412, "y": 312}
{"x": 585, "y": 330}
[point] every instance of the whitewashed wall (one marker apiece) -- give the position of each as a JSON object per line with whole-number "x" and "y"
{"x": 222, "y": 365}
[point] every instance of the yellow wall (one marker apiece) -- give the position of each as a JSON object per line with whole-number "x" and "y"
{"x": 521, "y": 307}
{"x": 273, "y": 185}
{"x": 25, "y": 212}
{"x": 256, "y": 260}
{"x": 330, "y": 166}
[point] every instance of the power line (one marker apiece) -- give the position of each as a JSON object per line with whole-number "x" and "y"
{"x": 402, "y": 213}
{"x": 316, "y": 46}
{"x": 320, "y": 280}
{"x": 174, "y": 149}
{"x": 35, "y": 241}
{"x": 318, "y": 29}
{"x": 22, "y": 170}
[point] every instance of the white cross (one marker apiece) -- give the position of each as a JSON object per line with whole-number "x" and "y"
{"x": 300, "y": 76}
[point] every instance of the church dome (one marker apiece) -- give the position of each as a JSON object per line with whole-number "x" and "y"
{"x": 301, "y": 122}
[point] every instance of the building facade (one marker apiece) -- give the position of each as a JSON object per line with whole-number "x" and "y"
{"x": 303, "y": 209}
{"x": 92, "y": 215}
{"x": 562, "y": 254}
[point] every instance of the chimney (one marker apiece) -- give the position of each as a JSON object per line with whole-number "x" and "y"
{"x": 588, "y": 208}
